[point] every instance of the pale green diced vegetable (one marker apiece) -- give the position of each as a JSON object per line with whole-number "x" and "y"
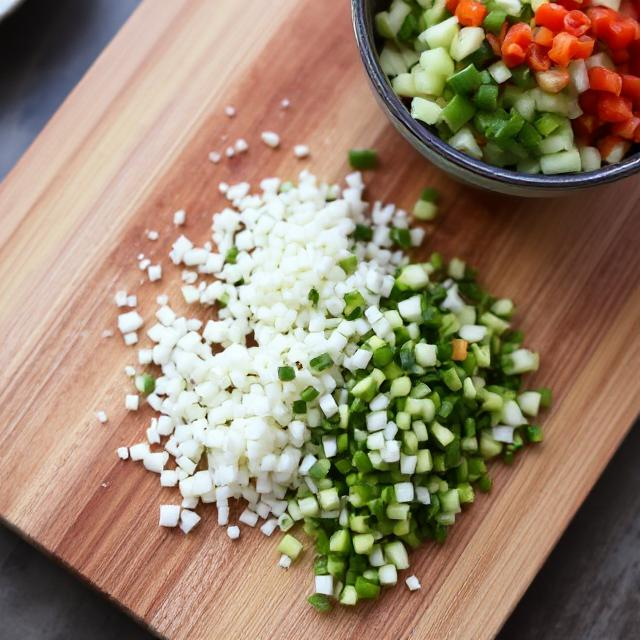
{"x": 425, "y": 110}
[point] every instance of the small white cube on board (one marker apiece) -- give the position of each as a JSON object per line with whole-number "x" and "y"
{"x": 169, "y": 515}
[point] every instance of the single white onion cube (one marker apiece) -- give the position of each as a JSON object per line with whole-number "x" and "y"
{"x": 188, "y": 520}
{"x": 376, "y": 420}
{"x": 413, "y": 583}
{"x": 408, "y": 464}
{"x": 155, "y": 461}
{"x": 502, "y": 433}
{"x": 121, "y": 298}
{"x": 403, "y": 491}
{"x": 169, "y": 515}
{"x": 328, "y": 405}
{"x": 129, "y": 322}
{"x": 472, "y": 332}
{"x": 248, "y": 517}
{"x": 269, "y": 526}
{"x": 154, "y": 271}
{"x": 388, "y": 574}
{"x": 139, "y": 451}
{"x": 330, "y": 446}
{"x": 422, "y": 495}
{"x": 270, "y": 138}
{"x": 324, "y": 585}
{"x": 168, "y": 478}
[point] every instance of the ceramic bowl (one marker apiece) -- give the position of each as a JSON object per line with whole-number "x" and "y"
{"x": 458, "y": 164}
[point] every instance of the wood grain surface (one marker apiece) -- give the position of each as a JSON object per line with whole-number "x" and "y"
{"x": 129, "y": 147}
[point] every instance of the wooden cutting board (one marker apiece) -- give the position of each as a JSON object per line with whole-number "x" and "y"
{"x": 126, "y": 150}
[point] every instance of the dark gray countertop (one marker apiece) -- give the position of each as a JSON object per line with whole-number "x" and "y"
{"x": 588, "y": 589}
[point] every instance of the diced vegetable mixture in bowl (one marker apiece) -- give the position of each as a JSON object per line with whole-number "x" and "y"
{"x": 539, "y": 87}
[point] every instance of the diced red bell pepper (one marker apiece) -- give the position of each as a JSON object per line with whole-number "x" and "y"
{"x": 601, "y": 79}
{"x": 543, "y": 36}
{"x": 619, "y": 56}
{"x": 452, "y": 5}
{"x": 503, "y": 31}
{"x": 576, "y": 23}
{"x": 631, "y": 88}
{"x": 563, "y": 47}
{"x": 582, "y": 47}
{"x": 616, "y": 31}
{"x": 628, "y": 129}
{"x": 551, "y": 15}
{"x": 537, "y": 58}
{"x": 634, "y": 62}
{"x": 585, "y": 126}
{"x": 515, "y": 44}
{"x": 627, "y": 8}
{"x": 513, "y": 55}
{"x": 572, "y": 4}
{"x": 470, "y": 13}
{"x": 589, "y": 102}
{"x": 614, "y": 108}
{"x": 494, "y": 43}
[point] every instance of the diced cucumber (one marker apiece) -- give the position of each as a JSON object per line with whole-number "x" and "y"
{"x": 525, "y": 105}
{"x": 396, "y": 554}
{"x": 510, "y": 7}
{"x": 404, "y": 85}
{"x": 426, "y": 110}
{"x": 441, "y": 34}
{"x": 388, "y": 23}
{"x": 465, "y": 42}
{"x": 427, "y": 83}
{"x": 435, "y": 13}
{"x": 464, "y": 141}
{"x": 437, "y": 61}
{"x": 383, "y": 26}
{"x": 560, "y": 140}
{"x": 499, "y": 72}
{"x": 391, "y": 61}
{"x": 551, "y": 102}
{"x": 590, "y": 158}
{"x": 530, "y": 165}
{"x": 562, "y": 162}
{"x": 409, "y": 56}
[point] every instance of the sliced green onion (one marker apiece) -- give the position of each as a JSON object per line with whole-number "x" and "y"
{"x": 321, "y": 362}
{"x": 286, "y": 374}
{"x": 319, "y": 602}
{"x": 232, "y": 255}
{"x": 363, "y": 158}
{"x": 314, "y": 297}
{"x": 145, "y": 384}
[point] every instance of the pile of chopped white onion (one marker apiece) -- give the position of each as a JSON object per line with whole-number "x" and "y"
{"x": 224, "y": 415}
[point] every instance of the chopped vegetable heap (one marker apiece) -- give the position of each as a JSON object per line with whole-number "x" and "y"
{"x": 432, "y": 393}
{"x": 340, "y": 386}
{"x": 534, "y": 86}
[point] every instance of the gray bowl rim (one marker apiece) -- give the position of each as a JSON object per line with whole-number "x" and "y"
{"x": 363, "y": 30}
